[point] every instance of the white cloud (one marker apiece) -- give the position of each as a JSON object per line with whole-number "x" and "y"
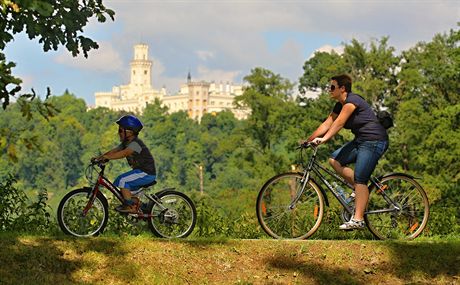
{"x": 328, "y": 49}
{"x": 234, "y": 31}
{"x": 205, "y": 54}
{"x": 225, "y": 39}
{"x": 28, "y": 82}
{"x": 105, "y": 59}
{"x": 207, "y": 74}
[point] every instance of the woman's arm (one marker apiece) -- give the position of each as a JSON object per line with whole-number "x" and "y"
{"x": 338, "y": 124}
{"x": 324, "y": 127}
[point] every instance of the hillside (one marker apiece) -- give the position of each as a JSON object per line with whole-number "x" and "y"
{"x": 143, "y": 260}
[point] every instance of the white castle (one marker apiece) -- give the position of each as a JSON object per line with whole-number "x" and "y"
{"x": 196, "y": 98}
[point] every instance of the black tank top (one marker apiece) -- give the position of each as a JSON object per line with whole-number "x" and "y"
{"x": 141, "y": 158}
{"x": 363, "y": 122}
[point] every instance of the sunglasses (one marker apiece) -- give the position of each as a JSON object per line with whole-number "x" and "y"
{"x": 332, "y": 88}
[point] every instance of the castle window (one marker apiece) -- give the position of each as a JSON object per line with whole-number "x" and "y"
{"x": 145, "y": 72}
{"x": 134, "y": 72}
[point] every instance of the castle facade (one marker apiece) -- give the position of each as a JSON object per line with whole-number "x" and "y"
{"x": 195, "y": 98}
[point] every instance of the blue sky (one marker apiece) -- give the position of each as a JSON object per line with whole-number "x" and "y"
{"x": 223, "y": 40}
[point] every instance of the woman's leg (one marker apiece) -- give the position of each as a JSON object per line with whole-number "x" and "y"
{"x": 361, "y": 199}
{"x": 341, "y": 158}
{"x": 346, "y": 172}
{"x": 368, "y": 156}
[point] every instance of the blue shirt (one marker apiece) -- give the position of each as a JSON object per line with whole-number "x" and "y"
{"x": 363, "y": 122}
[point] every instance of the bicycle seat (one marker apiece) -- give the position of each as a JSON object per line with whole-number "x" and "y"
{"x": 148, "y": 185}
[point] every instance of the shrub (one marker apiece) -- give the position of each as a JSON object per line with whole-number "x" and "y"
{"x": 17, "y": 213}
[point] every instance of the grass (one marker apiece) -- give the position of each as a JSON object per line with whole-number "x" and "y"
{"x": 29, "y": 259}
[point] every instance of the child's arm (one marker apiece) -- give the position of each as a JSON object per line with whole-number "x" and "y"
{"x": 110, "y": 152}
{"x": 117, "y": 154}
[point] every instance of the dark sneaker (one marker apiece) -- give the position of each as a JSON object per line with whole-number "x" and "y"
{"x": 130, "y": 209}
{"x": 353, "y": 225}
{"x": 144, "y": 207}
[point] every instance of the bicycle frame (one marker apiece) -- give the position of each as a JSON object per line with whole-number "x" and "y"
{"x": 317, "y": 169}
{"x": 104, "y": 182}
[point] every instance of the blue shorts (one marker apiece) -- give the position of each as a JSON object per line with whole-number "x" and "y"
{"x": 364, "y": 154}
{"x": 133, "y": 180}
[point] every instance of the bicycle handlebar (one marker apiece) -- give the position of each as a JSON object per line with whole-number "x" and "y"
{"x": 307, "y": 145}
{"x": 98, "y": 161}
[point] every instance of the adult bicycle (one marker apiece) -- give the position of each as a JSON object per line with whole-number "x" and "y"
{"x": 84, "y": 212}
{"x": 291, "y": 205}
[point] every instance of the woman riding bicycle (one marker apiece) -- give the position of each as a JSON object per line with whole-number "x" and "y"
{"x": 138, "y": 157}
{"x": 370, "y": 142}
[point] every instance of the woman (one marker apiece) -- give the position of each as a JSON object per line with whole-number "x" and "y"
{"x": 371, "y": 140}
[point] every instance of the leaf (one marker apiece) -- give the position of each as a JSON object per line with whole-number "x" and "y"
{"x": 43, "y": 8}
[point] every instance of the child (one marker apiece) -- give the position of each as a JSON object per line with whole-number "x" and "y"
{"x": 138, "y": 157}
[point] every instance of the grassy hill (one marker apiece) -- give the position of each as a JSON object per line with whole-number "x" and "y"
{"x": 144, "y": 260}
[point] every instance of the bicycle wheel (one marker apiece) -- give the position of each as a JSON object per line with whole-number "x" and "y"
{"x": 174, "y": 216}
{"x": 411, "y": 215}
{"x": 276, "y": 217}
{"x": 70, "y": 218}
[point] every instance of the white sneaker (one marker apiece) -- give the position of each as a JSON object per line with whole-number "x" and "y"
{"x": 353, "y": 225}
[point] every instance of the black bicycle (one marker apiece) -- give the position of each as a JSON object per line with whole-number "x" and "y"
{"x": 84, "y": 212}
{"x": 291, "y": 205}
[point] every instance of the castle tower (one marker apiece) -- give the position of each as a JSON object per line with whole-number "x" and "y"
{"x": 141, "y": 67}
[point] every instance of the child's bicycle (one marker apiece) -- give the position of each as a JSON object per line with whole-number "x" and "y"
{"x": 291, "y": 205}
{"x": 84, "y": 212}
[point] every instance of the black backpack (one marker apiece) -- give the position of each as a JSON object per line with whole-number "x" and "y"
{"x": 385, "y": 119}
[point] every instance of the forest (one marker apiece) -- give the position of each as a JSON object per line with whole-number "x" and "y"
{"x": 45, "y": 150}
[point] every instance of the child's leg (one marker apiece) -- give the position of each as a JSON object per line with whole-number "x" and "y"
{"x": 126, "y": 193}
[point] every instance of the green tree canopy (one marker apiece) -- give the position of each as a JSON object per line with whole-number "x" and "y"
{"x": 53, "y": 22}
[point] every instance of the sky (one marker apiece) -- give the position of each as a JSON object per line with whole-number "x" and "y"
{"x": 223, "y": 40}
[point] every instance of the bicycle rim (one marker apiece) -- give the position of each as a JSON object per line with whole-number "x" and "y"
{"x": 406, "y": 223}
{"x": 276, "y": 217}
{"x": 174, "y": 217}
{"x": 71, "y": 217}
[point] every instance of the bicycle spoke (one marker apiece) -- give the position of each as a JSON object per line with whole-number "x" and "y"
{"x": 410, "y": 215}
{"x": 178, "y": 217}
{"x": 275, "y": 215}
{"x": 70, "y": 214}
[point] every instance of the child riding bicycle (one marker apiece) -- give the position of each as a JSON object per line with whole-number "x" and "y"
{"x": 139, "y": 158}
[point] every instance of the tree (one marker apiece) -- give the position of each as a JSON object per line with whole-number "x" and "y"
{"x": 318, "y": 71}
{"x": 54, "y": 22}
{"x": 265, "y": 96}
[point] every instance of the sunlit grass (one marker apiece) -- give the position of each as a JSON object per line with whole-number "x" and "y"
{"x": 142, "y": 259}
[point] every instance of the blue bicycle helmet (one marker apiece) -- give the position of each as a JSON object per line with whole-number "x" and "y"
{"x": 130, "y": 122}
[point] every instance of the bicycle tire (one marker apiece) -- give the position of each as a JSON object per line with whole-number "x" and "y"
{"x": 406, "y": 223}
{"x": 177, "y": 220}
{"x": 70, "y": 209}
{"x": 273, "y": 212}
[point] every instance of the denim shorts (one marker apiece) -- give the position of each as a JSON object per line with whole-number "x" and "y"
{"x": 133, "y": 180}
{"x": 364, "y": 154}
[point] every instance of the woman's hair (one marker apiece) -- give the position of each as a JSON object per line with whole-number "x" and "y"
{"x": 343, "y": 80}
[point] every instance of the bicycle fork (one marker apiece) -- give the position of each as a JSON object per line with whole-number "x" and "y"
{"x": 304, "y": 182}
